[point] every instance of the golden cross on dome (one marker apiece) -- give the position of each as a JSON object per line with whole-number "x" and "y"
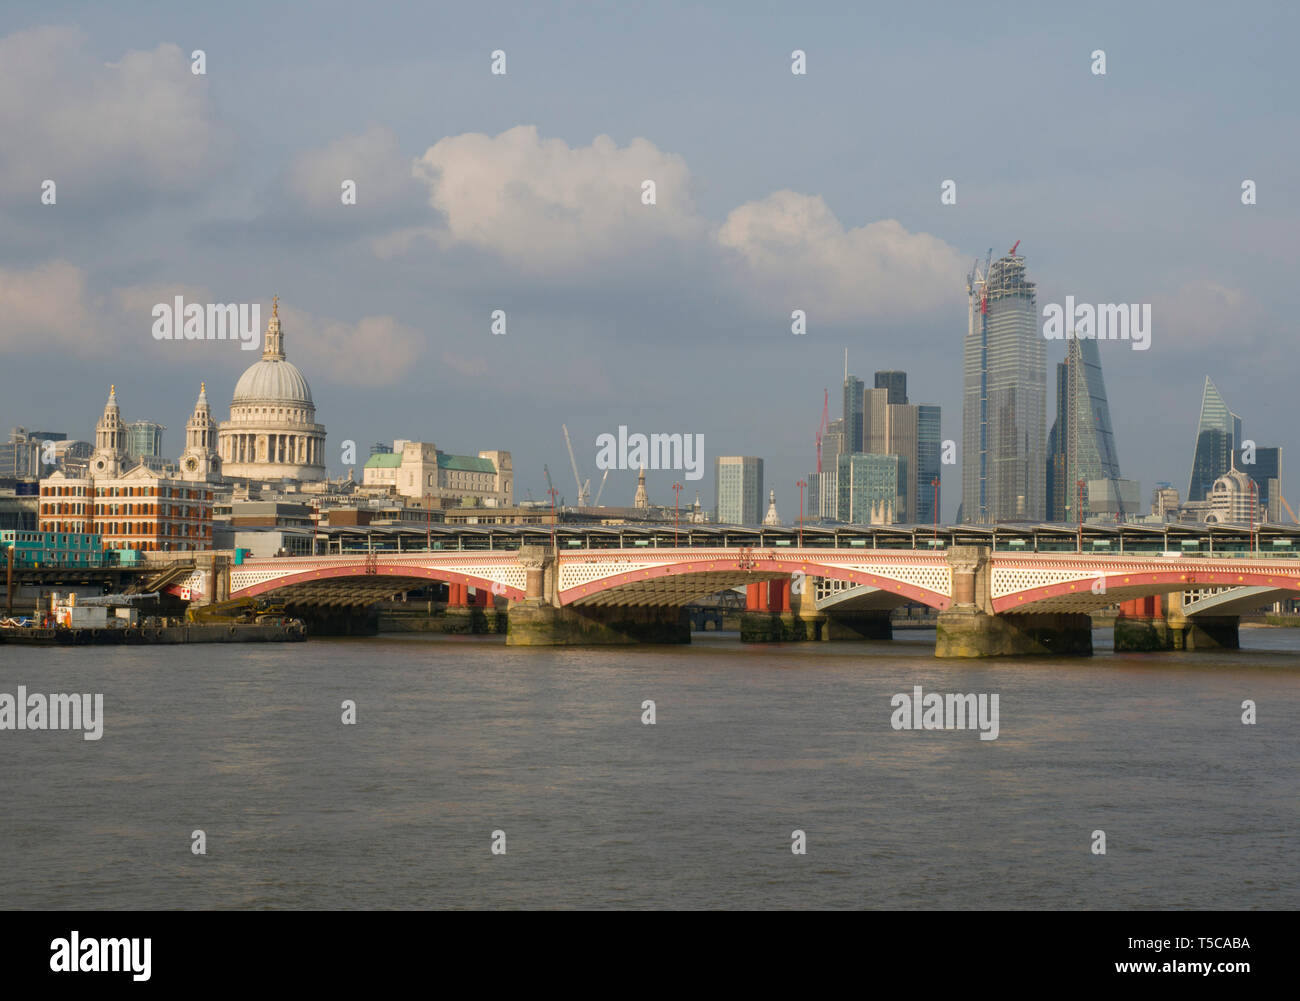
{"x": 203, "y": 387}
{"x": 275, "y": 306}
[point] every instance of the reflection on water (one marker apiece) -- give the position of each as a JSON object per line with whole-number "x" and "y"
{"x": 460, "y": 736}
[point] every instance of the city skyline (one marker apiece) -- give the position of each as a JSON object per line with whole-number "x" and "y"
{"x": 741, "y": 241}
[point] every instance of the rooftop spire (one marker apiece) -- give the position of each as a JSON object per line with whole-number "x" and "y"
{"x": 273, "y": 349}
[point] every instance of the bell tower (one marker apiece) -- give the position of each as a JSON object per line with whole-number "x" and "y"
{"x": 110, "y": 440}
{"x": 201, "y": 458}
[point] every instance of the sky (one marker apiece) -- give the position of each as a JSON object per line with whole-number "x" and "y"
{"x": 523, "y": 192}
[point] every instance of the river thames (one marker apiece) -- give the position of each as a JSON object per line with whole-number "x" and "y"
{"x": 459, "y": 737}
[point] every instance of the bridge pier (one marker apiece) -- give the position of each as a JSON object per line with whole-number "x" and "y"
{"x": 536, "y": 623}
{"x": 969, "y": 628}
{"x": 774, "y": 613}
{"x": 1141, "y": 626}
{"x": 540, "y": 620}
{"x": 1146, "y": 624}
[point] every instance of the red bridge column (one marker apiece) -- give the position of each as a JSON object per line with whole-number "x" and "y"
{"x": 755, "y": 599}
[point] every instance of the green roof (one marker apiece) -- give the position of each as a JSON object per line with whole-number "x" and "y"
{"x": 465, "y": 463}
{"x": 384, "y": 460}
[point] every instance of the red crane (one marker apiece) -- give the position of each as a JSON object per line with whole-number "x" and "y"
{"x": 1013, "y": 249}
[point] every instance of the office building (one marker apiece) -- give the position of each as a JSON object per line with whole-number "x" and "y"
{"x": 929, "y": 464}
{"x": 1004, "y": 394}
{"x": 853, "y": 420}
{"x": 1218, "y": 435}
{"x": 871, "y": 488}
{"x": 895, "y": 383}
{"x": 738, "y": 483}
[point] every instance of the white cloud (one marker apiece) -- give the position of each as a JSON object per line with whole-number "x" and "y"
{"x": 798, "y": 255}
{"x": 550, "y": 208}
{"x": 141, "y": 123}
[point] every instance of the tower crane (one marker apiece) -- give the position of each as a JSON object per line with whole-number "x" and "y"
{"x": 596, "y": 502}
{"x": 584, "y": 489}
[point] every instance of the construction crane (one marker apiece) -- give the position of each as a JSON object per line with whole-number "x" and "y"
{"x": 550, "y": 487}
{"x": 584, "y": 489}
{"x": 1013, "y": 249}
{"x": 596, "y": 503}
{"x": 1288, "y": 508}
{"x": 980, "y": 279}
{"x": 824, "y": 426}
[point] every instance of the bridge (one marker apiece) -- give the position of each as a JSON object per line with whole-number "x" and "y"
{"x": 990, "y": 602}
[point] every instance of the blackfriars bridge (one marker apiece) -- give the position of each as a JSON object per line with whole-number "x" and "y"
{"x": 993, "y": 597}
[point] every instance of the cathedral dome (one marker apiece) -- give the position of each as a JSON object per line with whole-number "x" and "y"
{"x": 272, "y": 381}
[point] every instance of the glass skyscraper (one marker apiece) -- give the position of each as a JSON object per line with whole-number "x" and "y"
{"x": 1218, "y": 435}
{"x": 895, "y": 382}
{"x": 870, "y": 488}
{"x": 1004, "y": 398}
{"x": 929, "y": 455}
{"x": 852, "y": 414}
{"x": 1090, "y": 439}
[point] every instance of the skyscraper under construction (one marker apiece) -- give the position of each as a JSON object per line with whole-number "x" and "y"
{"x": 1004, "y": 397}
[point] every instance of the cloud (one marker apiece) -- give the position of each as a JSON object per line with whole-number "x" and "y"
{"x": 49, "y": 310}
{"x": 1205, "y": 314}
{"x": 142, "y": 124}
{"x": 387, "y": 191}
{"x": 549, "y": 208}
{"x": 45, "y": 309}
{"x": 798, "y": 255}
{"x": 374, "y": 351}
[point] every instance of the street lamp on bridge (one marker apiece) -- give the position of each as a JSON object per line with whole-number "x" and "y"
{"x": 553, "y": 492}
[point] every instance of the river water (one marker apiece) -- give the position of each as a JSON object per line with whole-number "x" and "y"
{"x": 458, "y": 737}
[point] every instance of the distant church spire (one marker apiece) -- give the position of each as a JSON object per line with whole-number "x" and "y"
{"x": 771, "y": 518}
{"x": 642, "y": 499}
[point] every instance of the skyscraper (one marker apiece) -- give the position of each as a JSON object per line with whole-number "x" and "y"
{"x": 929, "y": 456}
{"x": 1058, "y": 487}
{"x": 1089, "y": 440}
{"x": 1004, "y": 397}
{"x": 739, "y": 483}
{"x": 870, "y": 488}
{"x": 1218, "y": 435}
{"x": 895, "y": 382}
{"x": 1266, "y": 467}
{"x": 852, "y": 413}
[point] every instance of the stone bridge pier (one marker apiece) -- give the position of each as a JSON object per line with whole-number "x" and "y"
{"x": 1158, "y": 623}
{"x": 970, "y": 628}
{"x": 540, "y": 620}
